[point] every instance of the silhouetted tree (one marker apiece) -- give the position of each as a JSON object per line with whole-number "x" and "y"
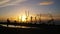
{"x": 40, "y": 18}
{"x": 15, "y": 22}
{"x": 8, "y": 21}
{"x": 35, "y": 20}
{"x": 31, "y": 18}
{"x": 51, "y": 20}
{"x": 27, "y": 15}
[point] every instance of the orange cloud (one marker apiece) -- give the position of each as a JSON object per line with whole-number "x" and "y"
{"x": 46, "y": 3}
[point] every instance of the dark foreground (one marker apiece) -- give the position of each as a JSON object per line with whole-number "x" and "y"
{"x": 43, "y": 29}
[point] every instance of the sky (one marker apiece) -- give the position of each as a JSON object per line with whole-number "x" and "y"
{"x": 10, "y": 8}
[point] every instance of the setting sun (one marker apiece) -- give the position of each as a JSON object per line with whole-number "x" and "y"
{"x": 23, "y": 18}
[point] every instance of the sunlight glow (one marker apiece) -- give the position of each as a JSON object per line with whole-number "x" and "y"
{"x": 22, "y": 18}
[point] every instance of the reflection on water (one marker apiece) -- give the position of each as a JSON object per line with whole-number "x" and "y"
{"x": 12, "y": 26}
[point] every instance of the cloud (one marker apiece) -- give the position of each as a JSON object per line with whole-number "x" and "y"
{"x": 4, "y": 3}
{"x": 46, "y": 3}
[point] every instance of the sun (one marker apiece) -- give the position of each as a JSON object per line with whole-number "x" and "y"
{"x": 22, "y": 18}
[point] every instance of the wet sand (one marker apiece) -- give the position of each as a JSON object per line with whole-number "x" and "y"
{"x": 7, "y": 30}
